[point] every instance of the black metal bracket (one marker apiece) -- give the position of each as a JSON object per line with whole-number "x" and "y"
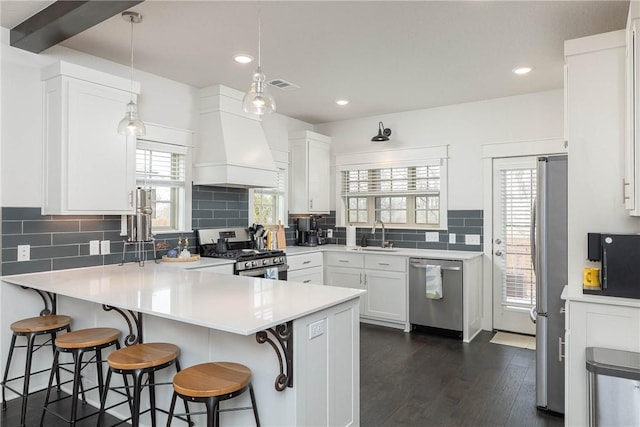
{"x": 132, "y": 318}
{"x": 48, "y": 299}
{"x": 284, "y": 337}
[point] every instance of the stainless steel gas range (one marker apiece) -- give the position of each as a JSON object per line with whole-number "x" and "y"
{"x": 237, "y": 244}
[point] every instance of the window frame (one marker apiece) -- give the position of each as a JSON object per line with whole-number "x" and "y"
{"x": 412, "y": 157}
{"x": 281, "y": 194}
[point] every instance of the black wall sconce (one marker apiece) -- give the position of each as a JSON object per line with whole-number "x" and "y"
{"x": 383, "y": 133}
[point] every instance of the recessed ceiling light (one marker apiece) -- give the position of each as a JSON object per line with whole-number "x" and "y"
{"x": 342, "y": 102}
{"x": 521, "y": 70}
{"x": 243, "y": 58}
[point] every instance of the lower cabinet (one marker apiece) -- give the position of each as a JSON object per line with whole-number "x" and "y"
{"x": 383, "y": 277}
{"x": 305, "y": 268}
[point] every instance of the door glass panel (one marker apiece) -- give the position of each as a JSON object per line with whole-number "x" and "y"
{"x": 518, "y": 278}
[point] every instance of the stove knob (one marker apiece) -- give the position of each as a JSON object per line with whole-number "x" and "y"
{"x": 265, "y": 261}
{"x": 254, "y": 263}
{"x": 247, "y": 264}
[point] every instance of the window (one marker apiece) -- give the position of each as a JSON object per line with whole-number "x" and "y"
{"x": 408, "y": 196}
{"x": 162, "y": 167}
{"x": 269, "y": 203}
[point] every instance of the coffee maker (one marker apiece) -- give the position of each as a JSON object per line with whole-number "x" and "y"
{"x": 307, "y": 234}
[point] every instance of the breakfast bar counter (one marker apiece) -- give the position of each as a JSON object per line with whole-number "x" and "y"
{"x": 220, "y": 317}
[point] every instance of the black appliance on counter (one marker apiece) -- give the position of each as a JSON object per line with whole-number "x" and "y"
{"x": 239, "y": 246}
{"x": 307, "y": 232}
{"x": 619, "y": 255}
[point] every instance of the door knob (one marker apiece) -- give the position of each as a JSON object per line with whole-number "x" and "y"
{"x": 498, "y": 252}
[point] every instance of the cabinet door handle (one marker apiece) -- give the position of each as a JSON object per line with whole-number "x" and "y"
{"x": 311, "y": 204}
{"x": 560, "y": 349}
{"x": 306, "y": 262}
{"x": 361, "y": 278}
{"x": 383, "y": 263}
{"x": 131, "y": 198}
{"x": 343, "y": 260}
{"x": 307, "y": 281}
{"x": 624, "y": 191}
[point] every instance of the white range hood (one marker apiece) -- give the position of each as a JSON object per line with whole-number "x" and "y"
{"x": 232, "y": 150}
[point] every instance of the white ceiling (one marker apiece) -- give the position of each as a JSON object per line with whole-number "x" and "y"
{"x": 384, "y": 56}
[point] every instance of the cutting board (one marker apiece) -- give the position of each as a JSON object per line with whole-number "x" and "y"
{"x": 281, "y": 239}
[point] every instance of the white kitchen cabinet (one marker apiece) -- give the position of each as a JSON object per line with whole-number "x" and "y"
{"x": 594, "y": 321}
{"x": 305, "y": 268}
{"x": 88, "y": 167}
{"x": 309, "y": 173}
{"x": 631, "y": 181}
{"x": 383, "y": 277}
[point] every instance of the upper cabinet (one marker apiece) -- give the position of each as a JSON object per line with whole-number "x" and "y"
{"x": 631, "y": 182}
{"x": 88, "y": 167}
{"x": 310, "y": 173}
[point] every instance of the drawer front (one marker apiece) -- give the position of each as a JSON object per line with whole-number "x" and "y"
{"x": 296, "y": 262}
{"x": 311, "y": 275}
{"x": 342, "y": 259}
{"x": 386, "y": 262}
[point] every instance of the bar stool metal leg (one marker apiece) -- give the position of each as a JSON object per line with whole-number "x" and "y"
{"x": 6, "y": 371}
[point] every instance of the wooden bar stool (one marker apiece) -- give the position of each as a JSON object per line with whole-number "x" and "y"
{"x": 212, "y": 383}
{"x": 138, "y": 360}
{"x": 78, "y": 343}
{"x": 31, "y": 328}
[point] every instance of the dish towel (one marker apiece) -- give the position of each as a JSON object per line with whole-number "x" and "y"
{"x": 434, "y": 282}
{"x": 271, "y": 273}
{"x": 351, "y": 236}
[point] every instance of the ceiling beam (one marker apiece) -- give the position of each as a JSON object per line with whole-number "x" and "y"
{"x": 62, "y": 20}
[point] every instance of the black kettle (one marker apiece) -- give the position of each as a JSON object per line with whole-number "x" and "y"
{"x": 221, "y": 246}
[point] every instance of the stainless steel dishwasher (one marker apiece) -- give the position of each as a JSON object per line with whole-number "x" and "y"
{"x": 441, "y": 315}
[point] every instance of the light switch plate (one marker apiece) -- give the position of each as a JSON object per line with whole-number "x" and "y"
{"x": 431, "y": 236}
{"x": 472, "y": 239}
{"x": 452, "y": 238}
{"x": 94, "y": 247}
{"x": 105, "y": 247}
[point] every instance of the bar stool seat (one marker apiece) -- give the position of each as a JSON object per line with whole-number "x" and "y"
{"x": 210, "y": 383}
{"x": 137, "y": 360}
{"x": 30, "y": 328}
{"x": 77, "y": 343}
{"x": 51, "y": 322}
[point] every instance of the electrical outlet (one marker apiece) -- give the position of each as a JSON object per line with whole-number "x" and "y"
{"x": 94, "y": 247}
{"x": 431, "y": 236}
{"x": 452, "y": 238}
{"x": 330, "y": 233}
{"x": 316, "y": 329}
{"x": 472, "y": 239}
{"x": 105, "y": 247}
{"x": 24, "y": 252}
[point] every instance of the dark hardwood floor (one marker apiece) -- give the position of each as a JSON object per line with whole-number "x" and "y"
{"x": 427, "y": 380}
{"x": 420, "y": 380}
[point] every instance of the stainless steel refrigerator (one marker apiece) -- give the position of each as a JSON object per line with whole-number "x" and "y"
{"x": 549, "y": 257}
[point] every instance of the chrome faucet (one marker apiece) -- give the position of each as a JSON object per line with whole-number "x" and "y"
{"x": 384, "y": 243}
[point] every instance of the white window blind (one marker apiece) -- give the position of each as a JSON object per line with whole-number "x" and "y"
{"x": 518, "y": 195}
{"x": 269, "y": 203}
{"x": 162, "y": 167}
{"x": 404, "y": 196}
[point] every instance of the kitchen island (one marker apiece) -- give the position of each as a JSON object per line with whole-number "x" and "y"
{"x": 216, "y": 317}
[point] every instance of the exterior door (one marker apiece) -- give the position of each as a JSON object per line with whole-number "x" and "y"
{"x": 514, "y": 282}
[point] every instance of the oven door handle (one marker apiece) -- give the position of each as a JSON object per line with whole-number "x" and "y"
{"x": 260, "y": 272}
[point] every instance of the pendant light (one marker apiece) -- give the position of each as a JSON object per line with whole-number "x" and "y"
{"x": 131, "y": 125}
{"x": 258, "y": 100}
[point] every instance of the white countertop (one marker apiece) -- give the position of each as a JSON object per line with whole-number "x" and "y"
{"x": 575, "y": 294}
{"x": 406, "y": 252}
{"x": 240, "y": 305}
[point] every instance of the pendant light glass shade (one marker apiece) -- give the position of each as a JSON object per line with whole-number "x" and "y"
{"x": 258, "y": 100}
{"x": 131, "y": 125}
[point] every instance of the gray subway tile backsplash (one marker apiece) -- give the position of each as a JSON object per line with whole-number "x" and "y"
{"x": 60, "y": 242}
